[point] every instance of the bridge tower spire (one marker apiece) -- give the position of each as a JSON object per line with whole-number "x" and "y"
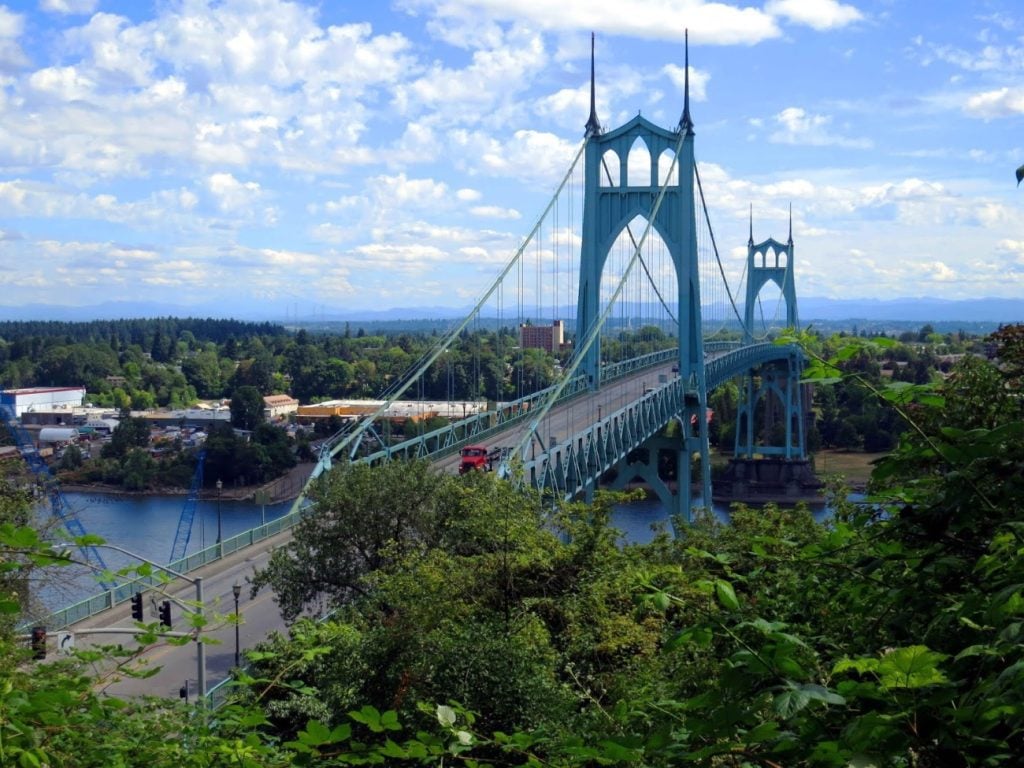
{"x": 593, "y": 126}
{"x": 610, "y": 204}
{"x": 685, "y": 121}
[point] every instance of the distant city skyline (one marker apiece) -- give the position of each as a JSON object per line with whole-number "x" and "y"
{"x": 260, "y": 155}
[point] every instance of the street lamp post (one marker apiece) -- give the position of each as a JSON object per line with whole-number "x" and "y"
{"x": 197, "y": 582}
{"x": 220, "y": 529}
{"x": 236, "y": 590}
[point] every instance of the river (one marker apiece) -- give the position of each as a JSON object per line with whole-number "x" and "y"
{"x": 638, "y": 520}
{"x": 146, "y": 525}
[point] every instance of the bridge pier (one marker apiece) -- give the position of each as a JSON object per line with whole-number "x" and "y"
{"x": 645, "y": 463}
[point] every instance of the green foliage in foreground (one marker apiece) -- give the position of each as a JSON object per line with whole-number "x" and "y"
{"x": 891, "y": 636}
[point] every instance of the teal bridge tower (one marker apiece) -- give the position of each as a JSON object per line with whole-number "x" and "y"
{"x": 776, "y": 387}
{"x": 610, "y": 204}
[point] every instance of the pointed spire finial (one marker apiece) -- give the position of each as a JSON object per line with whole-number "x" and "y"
{"x": 593, "y": 126}
{"x": 790, "y": 224}
{"x": 751, "y": 242}
{"x": 686, "y": 122}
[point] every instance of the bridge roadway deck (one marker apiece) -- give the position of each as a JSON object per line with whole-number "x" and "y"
{"x": 261, "y": 615}
{"x": 571, "y": 417}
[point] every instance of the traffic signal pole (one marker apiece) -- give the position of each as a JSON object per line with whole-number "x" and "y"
{"x": 199, "y": 612}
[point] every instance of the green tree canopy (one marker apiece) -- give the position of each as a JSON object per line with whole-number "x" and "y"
{"x": 247, "y": 407}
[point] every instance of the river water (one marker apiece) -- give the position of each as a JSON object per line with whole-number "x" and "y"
{"x": 639, "y": 521}
{"x": 146, "y": 525}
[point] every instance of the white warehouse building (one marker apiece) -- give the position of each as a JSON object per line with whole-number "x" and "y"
{"x": 41, "y": 398}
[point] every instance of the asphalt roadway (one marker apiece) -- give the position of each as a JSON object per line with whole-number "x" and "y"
{"x": 178, "y": 664}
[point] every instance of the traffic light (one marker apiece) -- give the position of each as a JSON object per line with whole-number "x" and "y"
{"x": 38, "y": 642}
{"x": 137, "y": 613}
{"x": 165, "y": 613}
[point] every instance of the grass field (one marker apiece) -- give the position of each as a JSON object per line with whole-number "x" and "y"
{"x": 854, "y": 466}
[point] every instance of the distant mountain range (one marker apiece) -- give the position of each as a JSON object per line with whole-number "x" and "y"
{"x": 923, "y": 310}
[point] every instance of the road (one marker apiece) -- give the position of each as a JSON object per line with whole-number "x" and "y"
{"x": 178, "y": 664}
{"x": 568, "y": 418}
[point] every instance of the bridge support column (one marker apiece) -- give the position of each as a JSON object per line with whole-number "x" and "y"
{"x": 644, "y": 464}
{"x": 770, "y": 458}
{"x": 778, "y": 392}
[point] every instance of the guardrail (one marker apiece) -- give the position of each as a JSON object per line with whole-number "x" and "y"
{"x": 106, "y": 600}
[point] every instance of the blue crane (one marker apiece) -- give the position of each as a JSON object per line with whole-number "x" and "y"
{"x": 58, "y": 504}
{"x": 188, "y": 514}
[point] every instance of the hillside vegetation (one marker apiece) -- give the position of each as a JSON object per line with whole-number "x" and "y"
{"x": 471, "y": 624}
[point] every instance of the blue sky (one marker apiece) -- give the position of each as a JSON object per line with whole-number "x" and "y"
{"x": 346, "y": 156}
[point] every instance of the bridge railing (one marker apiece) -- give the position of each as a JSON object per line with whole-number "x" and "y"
{"x": 567, "y": 468}
{"x": 121, "y": 593}
{"x": 451, "y": 437}
{"x": 743, "y": 358}
{"x": 622, "y": 368}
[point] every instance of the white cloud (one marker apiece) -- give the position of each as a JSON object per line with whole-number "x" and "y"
{"x": 280, "y": 89}
{"x": 477, "y": 90}
{"x": 708, "y": 22}
{"x": 1001, "y": 102}
{"x": 817, "y": 14}
{"x": 69, "y": 6}
{"x": 410, "y": 258}
{"x": 989, "y": 58}
{"x": 495, "y": 212}
{"x": 528, "y": 156}
{"x": 332, "y": 233}
{"x": 939, "y": 272}
{"x": 63, "y": 83}
{"x": 34, "y": 199}
{"x": 404, "y": 192}
{"x": 467, "y": 195}
{"x": 12, "y": 58}
{"x": 798, "y": 127}
{"x": 1014, "y": 248}
{"x": 11, "y": 24}
{"x": 698, "y": 80}
{"x": 231, "y": 194}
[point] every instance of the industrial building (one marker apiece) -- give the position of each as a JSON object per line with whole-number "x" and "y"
{"x": 398, "y": 411}
{"x": 42, "y": 398}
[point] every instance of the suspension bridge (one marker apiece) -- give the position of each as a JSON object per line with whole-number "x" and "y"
{"x": 626, "y": 251}
{"x": 623, "y": 255}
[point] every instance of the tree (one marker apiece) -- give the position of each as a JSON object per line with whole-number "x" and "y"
{"x": 137, "y": 469}
{"x": 247, "y": 408}
{"x": 364, "y": 518}
{"x": 72, "y": 458}
{"x": 130, "y": 432}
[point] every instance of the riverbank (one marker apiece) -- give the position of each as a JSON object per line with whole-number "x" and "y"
{"x": 284, "y": 488}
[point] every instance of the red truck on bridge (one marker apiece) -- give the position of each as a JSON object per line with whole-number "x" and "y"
{"x": 478, "y": 457}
